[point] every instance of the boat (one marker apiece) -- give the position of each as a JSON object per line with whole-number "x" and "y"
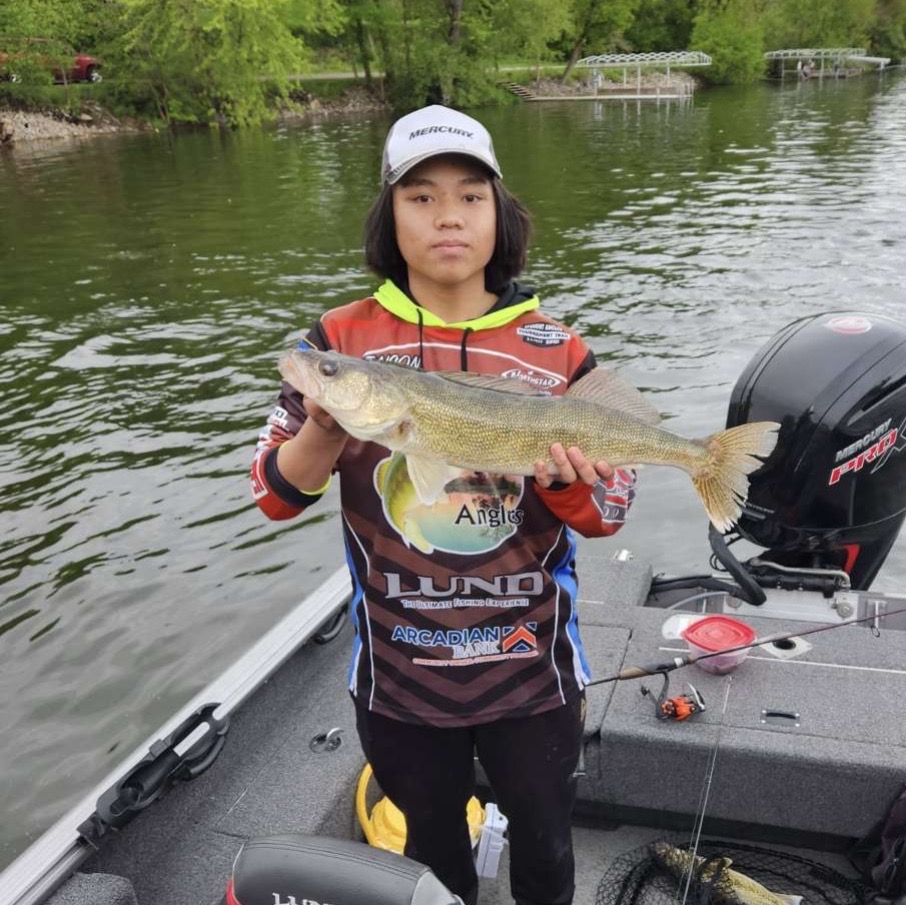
{"x": 248, "y": 794}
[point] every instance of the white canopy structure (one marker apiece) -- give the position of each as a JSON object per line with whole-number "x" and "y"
{"x": 639, "y": 61}
{"x": 664, "y": 59}
{"x": 836, "y": 54}
{"x": 820, "y": 53}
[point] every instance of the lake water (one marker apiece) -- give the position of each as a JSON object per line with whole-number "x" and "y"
{"x": 148, "y": 284}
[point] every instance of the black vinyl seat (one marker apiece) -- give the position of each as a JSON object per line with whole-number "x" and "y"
{"x": 316, "y": 870}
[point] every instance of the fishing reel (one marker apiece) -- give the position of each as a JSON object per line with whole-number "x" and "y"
{"x": 679, "y": 707}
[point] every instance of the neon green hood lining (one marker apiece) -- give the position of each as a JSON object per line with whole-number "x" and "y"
{"x": 391, "y": 297}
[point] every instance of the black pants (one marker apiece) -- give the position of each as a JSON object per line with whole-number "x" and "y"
{"x": 429, "y": 774}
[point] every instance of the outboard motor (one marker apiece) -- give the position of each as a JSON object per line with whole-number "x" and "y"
{"x": 316, "y": 870}
{"x": 832, "y": 496}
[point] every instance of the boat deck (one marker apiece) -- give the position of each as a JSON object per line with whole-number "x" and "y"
{"x": 813, "y": 782}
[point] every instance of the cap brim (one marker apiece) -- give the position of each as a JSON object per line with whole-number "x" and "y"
{"x": 398, "y": 172}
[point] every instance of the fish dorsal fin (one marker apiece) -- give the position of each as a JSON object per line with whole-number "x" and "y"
{"x": 605, "y": 387}
{"x": 429, "y": 477}
{"x": 488, "y": 382}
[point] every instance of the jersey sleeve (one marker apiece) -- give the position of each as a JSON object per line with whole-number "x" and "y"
{"x": 273, "y": 494}
{"x": 594, "y": 510}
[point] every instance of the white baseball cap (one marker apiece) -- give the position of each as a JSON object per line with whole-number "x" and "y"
{"x": 431, "y": 131}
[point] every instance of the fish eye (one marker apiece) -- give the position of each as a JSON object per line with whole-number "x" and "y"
{"x": 327, "y": 367}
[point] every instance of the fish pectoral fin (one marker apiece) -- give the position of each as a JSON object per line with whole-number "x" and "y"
{"x": 607, "y": 388}
{"x": 429, "y": 476}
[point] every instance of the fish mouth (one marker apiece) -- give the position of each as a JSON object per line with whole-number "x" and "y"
{"x": 300, "y": 373}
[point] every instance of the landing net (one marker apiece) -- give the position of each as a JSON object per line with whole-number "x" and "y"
{"x": 641, "y": 877}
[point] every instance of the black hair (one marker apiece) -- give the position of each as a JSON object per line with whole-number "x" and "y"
{"x": 514, "y": 230}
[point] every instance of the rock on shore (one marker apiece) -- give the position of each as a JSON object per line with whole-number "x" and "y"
{"x": 356, "y": 99}
{"x": 19, "y": 126}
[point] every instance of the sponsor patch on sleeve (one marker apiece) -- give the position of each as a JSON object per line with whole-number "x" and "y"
{"x": 543, "y": 334}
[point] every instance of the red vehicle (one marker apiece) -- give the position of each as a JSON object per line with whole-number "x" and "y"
{"x": 63, "y": 62}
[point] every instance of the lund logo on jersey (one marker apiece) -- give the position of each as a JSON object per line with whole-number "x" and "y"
{"x": 523, "y": 583}
{"x": 520, "y": 640}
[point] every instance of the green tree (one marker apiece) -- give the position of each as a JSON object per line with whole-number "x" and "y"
{"x": 306, "y": 18}
{"x": 413, "y": 50}
{"x": 887, "y": 33}
{"x": 428, "y": 50}
{"x": 526, "y": 29}
{"x": 662, "y": 25}
{"x": 595, "y": 26}
{"x": 51, "y": 19}
{"x": 206, "y": 60}
{"x": 819, "y": 23}
{"x": 731, "y": 32}
{"x": 40, "y": 34}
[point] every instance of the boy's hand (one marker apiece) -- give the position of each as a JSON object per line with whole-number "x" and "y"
{"x": 573, "y": 466}
{"x": 322, "y": 418}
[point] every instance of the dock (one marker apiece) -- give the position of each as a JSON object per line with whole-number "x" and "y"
{"x": 824, "y": 62}
{"x": 596, "y": 87}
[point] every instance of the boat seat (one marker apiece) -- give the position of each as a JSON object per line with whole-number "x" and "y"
{"x": 317, "y": 870}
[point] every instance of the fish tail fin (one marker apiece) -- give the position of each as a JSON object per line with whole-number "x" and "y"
{"x": 722, "y": 481}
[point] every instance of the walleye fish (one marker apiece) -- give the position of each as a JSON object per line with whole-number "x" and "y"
{"x": 446, "y": 421}
{"x": 729, "y": 886}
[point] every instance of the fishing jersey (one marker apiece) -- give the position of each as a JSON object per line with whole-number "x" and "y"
{"x": 464, "y": 610}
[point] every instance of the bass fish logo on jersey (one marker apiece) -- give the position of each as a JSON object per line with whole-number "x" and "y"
{"x": 478, "y": 512}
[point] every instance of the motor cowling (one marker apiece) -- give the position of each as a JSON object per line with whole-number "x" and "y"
{"x": 833, "y": 493}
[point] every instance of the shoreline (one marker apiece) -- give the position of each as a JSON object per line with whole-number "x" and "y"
{"x": 21, "y": 128}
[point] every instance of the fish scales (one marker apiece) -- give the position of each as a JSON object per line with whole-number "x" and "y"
{"x": 486, "y": 430}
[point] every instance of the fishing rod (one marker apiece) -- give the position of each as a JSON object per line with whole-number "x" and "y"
{"x": 657, "y": 669}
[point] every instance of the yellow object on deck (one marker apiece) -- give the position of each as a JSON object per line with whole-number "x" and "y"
{"x": 385, "y": 826}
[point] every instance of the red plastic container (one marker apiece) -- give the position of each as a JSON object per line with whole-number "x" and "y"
{"x": 715, "y": 633}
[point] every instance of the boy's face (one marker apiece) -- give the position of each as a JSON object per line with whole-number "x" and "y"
{"x": 446, "y": 221}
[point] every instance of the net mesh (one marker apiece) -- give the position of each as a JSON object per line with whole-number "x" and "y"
{"x": 658, "y": 874}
